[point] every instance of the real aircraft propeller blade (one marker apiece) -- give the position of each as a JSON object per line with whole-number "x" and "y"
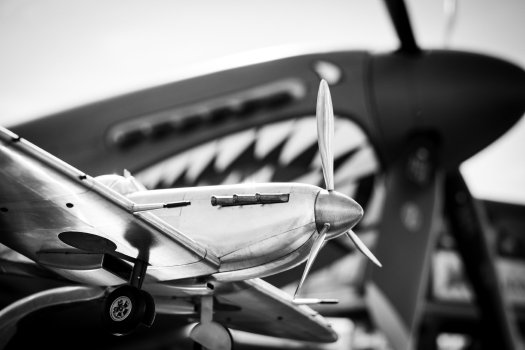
{"x": 399, "y": 15}
{"x": 450, "y": 8}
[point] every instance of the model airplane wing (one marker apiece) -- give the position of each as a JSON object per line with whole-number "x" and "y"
{"x": 265, "y": 309}
{"x": 46, "y": 203}
{"x": 252, "y": 306}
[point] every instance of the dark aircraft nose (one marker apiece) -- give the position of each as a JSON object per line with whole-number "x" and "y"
{"x": 464, "y": 100}
{"x": 338, "y": 210}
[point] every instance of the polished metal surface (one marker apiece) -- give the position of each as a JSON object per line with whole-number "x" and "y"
{"x": 274, "y": 310}
{"x": 250, "y": 240}
{"x": 335, "y": 213}
{"x": 325, "y": 133}
{"x": 154, "y": 206}
{"x": 250, "y": 199}
{"x": 362, "y": 247}
{"x": 252, "y": 305}
{"x": 42, "y": 196}
{"x": 316, "y": 248}
{"x": 272, "y": 267}
{"x": 338, "y": 210}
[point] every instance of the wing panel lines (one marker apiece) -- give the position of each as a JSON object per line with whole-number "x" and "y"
{"x": 40, "y": 196}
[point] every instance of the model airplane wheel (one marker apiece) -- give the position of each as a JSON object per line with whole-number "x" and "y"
{"x": 149, "y": 314}
{"x": 125, "y": 308}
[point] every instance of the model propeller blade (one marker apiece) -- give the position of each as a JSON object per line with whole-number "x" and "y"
{"x": 362, "y": 247}
{"x": 331, "y": 207}
{"x": 318, "y": 244}
{"x": 325, "y": 133}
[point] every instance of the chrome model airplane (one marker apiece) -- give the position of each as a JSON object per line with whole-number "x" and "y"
{"x": 177, "y": 248}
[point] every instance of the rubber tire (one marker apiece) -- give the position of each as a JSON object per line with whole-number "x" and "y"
{"x": 129, "y": 323}
{"x": 149, "y": 315}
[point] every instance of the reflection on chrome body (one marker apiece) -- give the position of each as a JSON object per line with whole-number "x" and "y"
{"x": 276, "y": 231}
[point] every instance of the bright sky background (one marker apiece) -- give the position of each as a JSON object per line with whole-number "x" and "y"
{"x": 56, "y": 54}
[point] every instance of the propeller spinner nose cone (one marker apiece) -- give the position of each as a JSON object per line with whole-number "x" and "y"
{"x": 338, "y": 210}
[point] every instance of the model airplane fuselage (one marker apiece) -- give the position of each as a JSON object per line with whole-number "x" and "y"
{"x": 254, "y": 229}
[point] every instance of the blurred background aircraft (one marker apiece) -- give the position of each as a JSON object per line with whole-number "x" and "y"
{"x": 58, "y": 55}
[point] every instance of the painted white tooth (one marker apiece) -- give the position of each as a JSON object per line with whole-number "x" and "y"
{"x": 302, "y": 137}
{"x": 199, "y": 158}
{"x": 363, "y": 163}
{"x": 262, "y": 175}
{"x": 233, "y": 178}
{"x": 230, "y": 147}
{"x": 270, "y": 136}
{"x": 348, "y": 188}
{"x": 150, "y": 177}
{"x": 173, "y": 168}
{"x": 374, "y": 207}
{"x": 314, "y": 177}
{"x": 166, "y": 171}
{"x": 348, "y": 136}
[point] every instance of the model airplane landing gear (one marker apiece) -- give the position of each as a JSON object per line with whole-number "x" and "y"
{"x": 126, "y": 307}
{"x": 209, "y": 334}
